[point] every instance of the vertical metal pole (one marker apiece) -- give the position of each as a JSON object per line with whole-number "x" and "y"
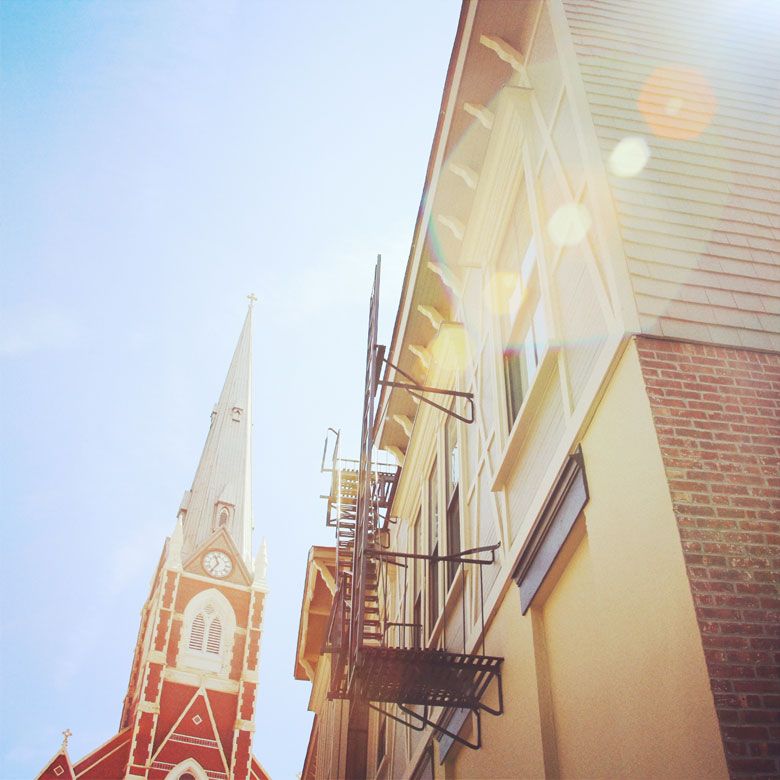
{"x": 463, "y": 604}
{"x": 364, "y": 508}
{"x": 482, "y": 607}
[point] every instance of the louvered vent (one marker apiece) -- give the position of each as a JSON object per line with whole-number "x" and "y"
{"x": 197, "y": 632}
{"x": 215, "y": 636}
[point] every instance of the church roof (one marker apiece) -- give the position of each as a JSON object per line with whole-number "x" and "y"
{"x": 58, "y": 768}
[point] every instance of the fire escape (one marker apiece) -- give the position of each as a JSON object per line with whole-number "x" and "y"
{"x": 375, "y": 660}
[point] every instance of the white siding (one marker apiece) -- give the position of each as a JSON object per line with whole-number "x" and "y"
{"x": 701, "y": 223}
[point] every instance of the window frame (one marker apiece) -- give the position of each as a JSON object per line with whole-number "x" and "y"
{"x": 452, "y": 502}
{"x": 524, "y": 310}
{"x": 418, "y": 583}
{"x": 433, "y": 517}
{"x": 203, "y": 659}
{"x": 381, "y": 741}
{"x": 189, "y": 765}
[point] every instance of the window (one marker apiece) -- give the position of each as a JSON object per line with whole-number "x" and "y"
{"x": 523, "y": 327}
{"x": 197, "y": 632}
{"x": 424, "y": 770}
{"x": 553, "y": 527}
{"x": 206, "y": 631}
{"x": 214, "y": 638}
{"x": 207, "y": 634}
{"x": 453, "y": 501}
{"x": 419, "y": 574}
{"x": 433, "y": 546}
{"x": 223, "y": 514}
{"x": 417, "y": 620}
{"x": 189, "y": 769}
{"x": 381, "y": 739}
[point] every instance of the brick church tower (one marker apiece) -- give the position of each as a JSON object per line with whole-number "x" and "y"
{"x": 189, "y": 709}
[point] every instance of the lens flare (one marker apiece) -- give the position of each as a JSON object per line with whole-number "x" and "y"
{"x": 629, "y": 157}
{"x": 677, "y": 102}
{"x": 450, "y": 348}
{"x": 499, "y": 290}
{"x": 569, "y": 224}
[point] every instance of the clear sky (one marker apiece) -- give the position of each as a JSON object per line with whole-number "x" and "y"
{"x": 161, "y": 160}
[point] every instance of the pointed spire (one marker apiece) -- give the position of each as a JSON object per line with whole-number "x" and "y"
{"x": 175, "y": 545}
{"x": 261, "y": 564}
{"x": 221, "y": 493}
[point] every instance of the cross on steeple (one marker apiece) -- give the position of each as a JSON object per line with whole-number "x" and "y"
{"x": 251, "y": 298}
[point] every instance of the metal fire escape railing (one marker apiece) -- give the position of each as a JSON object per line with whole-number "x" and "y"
{"x": 374, "y": 659}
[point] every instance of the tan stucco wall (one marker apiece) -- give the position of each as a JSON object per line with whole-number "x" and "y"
{"x": 623, "y": 690}
{"x": 513, "y": 739}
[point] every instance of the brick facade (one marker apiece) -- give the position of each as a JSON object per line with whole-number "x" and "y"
{"x": 717, "y": 415}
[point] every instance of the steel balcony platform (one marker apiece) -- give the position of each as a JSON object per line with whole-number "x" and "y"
{"x": 436, "y": 678}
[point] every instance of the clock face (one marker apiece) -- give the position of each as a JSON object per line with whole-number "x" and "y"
{"x": 217, "y": 563}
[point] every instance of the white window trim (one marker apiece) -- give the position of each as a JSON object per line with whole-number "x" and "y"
{"x": 219, "y": 508}
{"x": 201, "y": 659}
{"x": 514, "y": 114}
{"x": 188, "y": 765}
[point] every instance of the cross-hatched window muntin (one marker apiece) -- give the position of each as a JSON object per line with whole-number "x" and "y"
{"x": 518, "y": 299}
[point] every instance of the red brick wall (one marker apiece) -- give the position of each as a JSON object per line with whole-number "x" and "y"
{"x": 717, "y": 415}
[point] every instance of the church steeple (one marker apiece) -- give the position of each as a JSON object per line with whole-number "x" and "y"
{"x": 221, "y": 493}
{"x": 190, "y": 702}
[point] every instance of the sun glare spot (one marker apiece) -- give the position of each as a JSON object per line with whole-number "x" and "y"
{"x": 677, "y": 102}
{"x": 629, "y": 157}
{"x": 674, "y": 106}
{"x": 569, "y": 225}
{"x": 500, "y": 289}
{"x": 450, "y": 348}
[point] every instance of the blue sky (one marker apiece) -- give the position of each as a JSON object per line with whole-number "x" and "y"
{"x": 161, "y": 160}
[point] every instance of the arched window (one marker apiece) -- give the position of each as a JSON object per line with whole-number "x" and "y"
{"x": 208, "y": 632}
{"x": 189, "y": 769}
{"x": 214, "y": 639}
{"x": 197, "y": 632}
{"x": 223, "y": 514}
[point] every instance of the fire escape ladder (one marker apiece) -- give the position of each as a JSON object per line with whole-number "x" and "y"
{"x": 376, "y": 660}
